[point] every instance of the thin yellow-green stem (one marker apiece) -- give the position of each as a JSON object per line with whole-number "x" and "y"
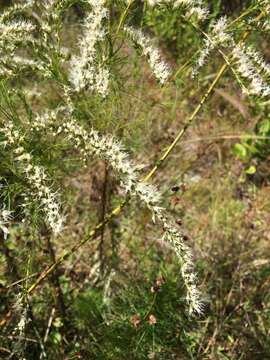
{"x": 123, "y": 17}
{"x": 244, "y": 14}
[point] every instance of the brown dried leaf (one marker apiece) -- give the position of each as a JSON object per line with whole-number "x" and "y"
{"x": 152, "y": 320}
{"x": 135, "y": 320}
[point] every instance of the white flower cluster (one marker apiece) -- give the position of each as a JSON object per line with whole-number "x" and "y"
{"x": 262, "y": 66}
{"x": 160, "y": 69}
{"x": 10, "y": 68}
{"x": 264, "y": 24}
{"x": 218, "y": 36}
{"x": 14, "y": 31}
{"x": 106, "y": 147}
{"x": 184, "y": 254}
{"x": 148, "y": 194}
{"x": 252, "y": 68}
{"x": 89, "y": 142}
{"x": 35, "y": 176}
{"x": 247, "y": 64}
{"x": 49, "y": 5}
{"x": 219, "y": 31}
{"x": 48, "y": 199}
{"x": 44, "y": 120}
{"x": 5, "y": 217}
{"x": 85, "y": 72}
{"x": 194, "y": 7}
{"x": 15, "y": 9}
{"x": 151, "y": 197}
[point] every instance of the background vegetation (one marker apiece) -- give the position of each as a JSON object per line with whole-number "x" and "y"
{"x": 119, "y": 296}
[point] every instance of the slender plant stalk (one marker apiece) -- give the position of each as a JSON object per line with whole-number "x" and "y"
{"x": 23, "y": 280}
{"x": 123, "y": 17}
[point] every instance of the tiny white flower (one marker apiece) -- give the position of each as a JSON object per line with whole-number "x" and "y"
{"x": 160, "y": 69}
